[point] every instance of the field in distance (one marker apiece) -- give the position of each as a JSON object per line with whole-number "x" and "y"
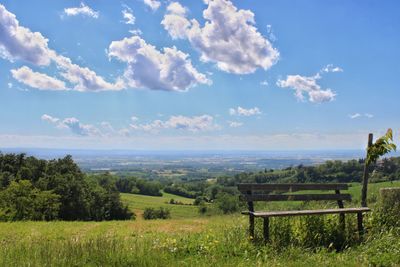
{"x": 138, "y": 203}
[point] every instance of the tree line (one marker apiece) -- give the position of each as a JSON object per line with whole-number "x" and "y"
{"x": 36, "y": 189}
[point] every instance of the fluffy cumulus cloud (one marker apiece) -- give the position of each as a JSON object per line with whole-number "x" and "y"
{"x": 179, "y": 122}
{"x": 128, "y": 16}
{"x": 228, "y": 38}
{"x": 73, "y": 124}
{"x": 20, "y": 43}
{"x": 153, "y": 4}
{"x": 37, "y": 80}
{"x": 244, "y": 112}
{"x": 304, "y": 85}
{"x": 149, "y": 68}
{"x": 83, "y": 10}
{"x": 84, "y": 78}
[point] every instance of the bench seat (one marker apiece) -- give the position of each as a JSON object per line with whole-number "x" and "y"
{"x": 266, "y": 214}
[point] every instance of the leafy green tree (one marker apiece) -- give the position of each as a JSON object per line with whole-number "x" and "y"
{"x": 227, "y": 203}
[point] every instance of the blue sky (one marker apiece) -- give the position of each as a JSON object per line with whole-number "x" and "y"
{"x": 149, "y": 74}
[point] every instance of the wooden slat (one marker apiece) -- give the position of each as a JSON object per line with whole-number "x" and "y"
{"x": 292, "y": 187}
{"x": 303, "y": 197}
{"x": 305, "y": 212}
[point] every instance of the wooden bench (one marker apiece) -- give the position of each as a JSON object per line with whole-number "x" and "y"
{"x": 284, "y": 192}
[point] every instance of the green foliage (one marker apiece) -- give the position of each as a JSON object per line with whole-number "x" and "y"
{"x": 202, "y": 208}
{"x": 382, "y": 146}
{"x": 160, "y": 213}
{"x": 330, "y": 171}
{"x": 21, "y": 201}
{"x": 138, "y": 186}
{"x": 227, "y": 203}
{"x": 387, "y": 213}
{"x": 33, "y": 189}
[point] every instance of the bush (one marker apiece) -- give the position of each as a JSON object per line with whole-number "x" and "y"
{"x": 387, "y": 215}
{"x": 202, "y": 208}
{"x": 160, "y": 213}
{"x": 227, "y": 203}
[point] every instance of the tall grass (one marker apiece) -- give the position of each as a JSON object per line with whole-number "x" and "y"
{"x": 222, "y": 241}
{"x": 215, "y": 241}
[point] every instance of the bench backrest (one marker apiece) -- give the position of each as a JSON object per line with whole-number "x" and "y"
{"x": 284, "y": 192}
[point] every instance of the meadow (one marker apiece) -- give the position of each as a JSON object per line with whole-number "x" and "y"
{"x": 188, "y": 239}
{"x": 138, "y": 203}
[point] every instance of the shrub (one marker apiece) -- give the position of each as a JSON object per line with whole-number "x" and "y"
{"x": 227, "y": 203}
{"x": 160, "y": 213}
{"x": 202, "y": 208}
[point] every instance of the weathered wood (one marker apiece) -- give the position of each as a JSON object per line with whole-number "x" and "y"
{"x": 262, "y": 192}
{"x": 342, "y": 222}
{"x": 302, "y": 197}
{"x": 291, "y": 187}
{"x": 250, "y": 206}
{"x": 307, "y": 212}
{"x": 266, "y": 229}
{"x": 360, "y": 225}
{"x": 365, "y": 175}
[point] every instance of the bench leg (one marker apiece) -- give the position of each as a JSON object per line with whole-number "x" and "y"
{"x": 360, "y": 225}
{"x": 251, "y": 226}
{"x": 266, "y": 229}
{"x": 342, "y": 222}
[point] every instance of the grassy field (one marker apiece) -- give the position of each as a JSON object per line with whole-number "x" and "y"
{"x": 185, "y": 240}
{"x": 138, "y": 203}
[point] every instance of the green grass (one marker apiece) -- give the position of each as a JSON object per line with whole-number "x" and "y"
{"x": 185, "y": 240}
{"x": 216, "y": 241}
{"x": 138, "y": 203}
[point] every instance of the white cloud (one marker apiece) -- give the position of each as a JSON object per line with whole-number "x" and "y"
{"x": 358, "y": 115}
{"x": 10, "y": 85}
{"x": 153, "y": 4}
{"x": 235, "y": 124}
{"x": 83, "y": 10}
{"x": 331, "y": 68}
{"x": 307, "y": 85}
{"x": 84, "y": 78}
{"x": 134, "y": 118}
{"x": 73, "y": 124}
{"x": 245, "y": 112}
{"x": 37, "y": 80}
{"x": 271, "y": 34}
{"x": 20, "y": 43}
{"x": 228, "y": 37}
{"x": 128, "y": 16}
{"x": 192, "y": 124}
{"x": 354, "y": 116}
{"x": 49, "y": 118}
{"x": 169, "y": 70}
{"x": 368, "y": 115}
{"x": 264, "y": 83}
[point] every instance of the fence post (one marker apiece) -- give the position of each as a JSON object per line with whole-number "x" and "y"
{"x": 365, "y": 176}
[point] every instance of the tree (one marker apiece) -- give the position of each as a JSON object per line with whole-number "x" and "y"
{"x": 382, "y": 146}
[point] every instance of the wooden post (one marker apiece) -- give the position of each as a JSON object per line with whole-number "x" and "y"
{"x": 251, "y": 217}
{"x": 266, "y": 229}
{"x": 365, "y": 176}
{"x": 360, "y": 225}
{"x": 341, "y": 215}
